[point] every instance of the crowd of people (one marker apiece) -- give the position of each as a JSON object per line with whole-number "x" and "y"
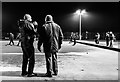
{"x": 109, "y": 38}
{"x": 73, "y": 37}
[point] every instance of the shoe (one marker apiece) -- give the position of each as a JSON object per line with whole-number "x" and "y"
{"x": 24, "y": 74}
{"x": 48, "y": 75}
{"x": 31, "y": 75}
{"x": 55, "y": 74}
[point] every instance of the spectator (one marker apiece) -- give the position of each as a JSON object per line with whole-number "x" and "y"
{"x": 51, "y": 37}
{"x": 107, "y": 38}
{"x": 11, "y": 37}
{"x": 18, "y": 37}
{"x": 97, "y": 37}
{"x": 111, "y": 35}
{"x": 71, "y": 37}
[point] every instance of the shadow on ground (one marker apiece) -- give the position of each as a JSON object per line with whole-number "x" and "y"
{"x": 18, "y": 73}
{"x": 11, "y": 73}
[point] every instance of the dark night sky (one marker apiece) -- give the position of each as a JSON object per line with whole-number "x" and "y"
{"x": 101, "y": 16}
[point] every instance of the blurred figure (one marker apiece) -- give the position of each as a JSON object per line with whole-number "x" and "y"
{"x": 86, "y": 35}
{"x": 111, "y": 36}
{"x": 11, "y": 37}
{"x": 97, "y": 37}
{"x": 107, "y": 38}
{"x": 19, "y": 38}
{"x": 71, "y": 37}
{"x": 51, "y": 37}
{"x": 74, "y": 38}
{"x": 27, "y": 30}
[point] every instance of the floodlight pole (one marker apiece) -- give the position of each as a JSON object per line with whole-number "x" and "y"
{"x": 80, "y": 13}
{"x": 80, "y": 26}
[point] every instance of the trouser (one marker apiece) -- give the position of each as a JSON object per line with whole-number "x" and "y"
{"x": 74, "y": 41}
{"x": 96, "y": 41}
{"x": 107, "y": 42}
{"x": 111, "y": 43}
{"x": 18, "y": 42}
{"x": 28, "y": 56}
{"x": 70, "y": 39}
{"x": 11, "y": 40}
{"x": 51, "y": 62}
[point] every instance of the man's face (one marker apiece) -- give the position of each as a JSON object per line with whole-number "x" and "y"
{"x": 30, "y": 19}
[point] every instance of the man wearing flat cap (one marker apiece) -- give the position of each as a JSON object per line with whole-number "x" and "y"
{"x": 27, "y": 30}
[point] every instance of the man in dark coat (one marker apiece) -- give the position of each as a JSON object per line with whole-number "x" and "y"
{"x": 27, "y": 31}
{"x": 97, "y": 37}
{"x": 107, "y": 38}
{"x": 50, "y": 35}
{"x": 112, "y": 38}
{"x": 19, "y": 38}
{"x": 11, "y": 37}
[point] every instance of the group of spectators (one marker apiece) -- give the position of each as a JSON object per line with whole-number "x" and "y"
{"x": 73, "y": 37}
{"x": 109, "y": 37}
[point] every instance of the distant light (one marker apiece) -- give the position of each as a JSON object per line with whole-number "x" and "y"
{"x": 83, "y": 12}
{"x": 80, "y": 12}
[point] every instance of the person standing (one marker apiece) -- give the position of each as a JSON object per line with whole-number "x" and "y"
{"x": 86, "y": 35}
{"x": 107, "y": 38}
{"x": 50, "y": 35}
{"x": 111, "y": 35}
{"x": 27, "y": 31}
{"x": 71, "y": 37}
{"x": 11, "y": 37}
{"x": 74, "y": 38}
{"x": 97, "y": 37}
{"x": 19, "y": 39}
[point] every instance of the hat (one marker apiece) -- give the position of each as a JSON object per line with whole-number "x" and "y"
{"x": 27, "y": 17}
{"x": 48, "y": 18}
{"x": 35, "y": 23}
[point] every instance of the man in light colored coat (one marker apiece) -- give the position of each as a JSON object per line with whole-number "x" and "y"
{"x": 50, "y": 35}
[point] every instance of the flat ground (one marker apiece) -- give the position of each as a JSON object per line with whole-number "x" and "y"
{"x": 79, "y": 62}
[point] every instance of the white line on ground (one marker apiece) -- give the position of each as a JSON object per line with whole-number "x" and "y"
{"x": 69, "y": 53}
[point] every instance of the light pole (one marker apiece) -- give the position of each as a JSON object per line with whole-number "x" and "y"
{"x": 80, "y": 12}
